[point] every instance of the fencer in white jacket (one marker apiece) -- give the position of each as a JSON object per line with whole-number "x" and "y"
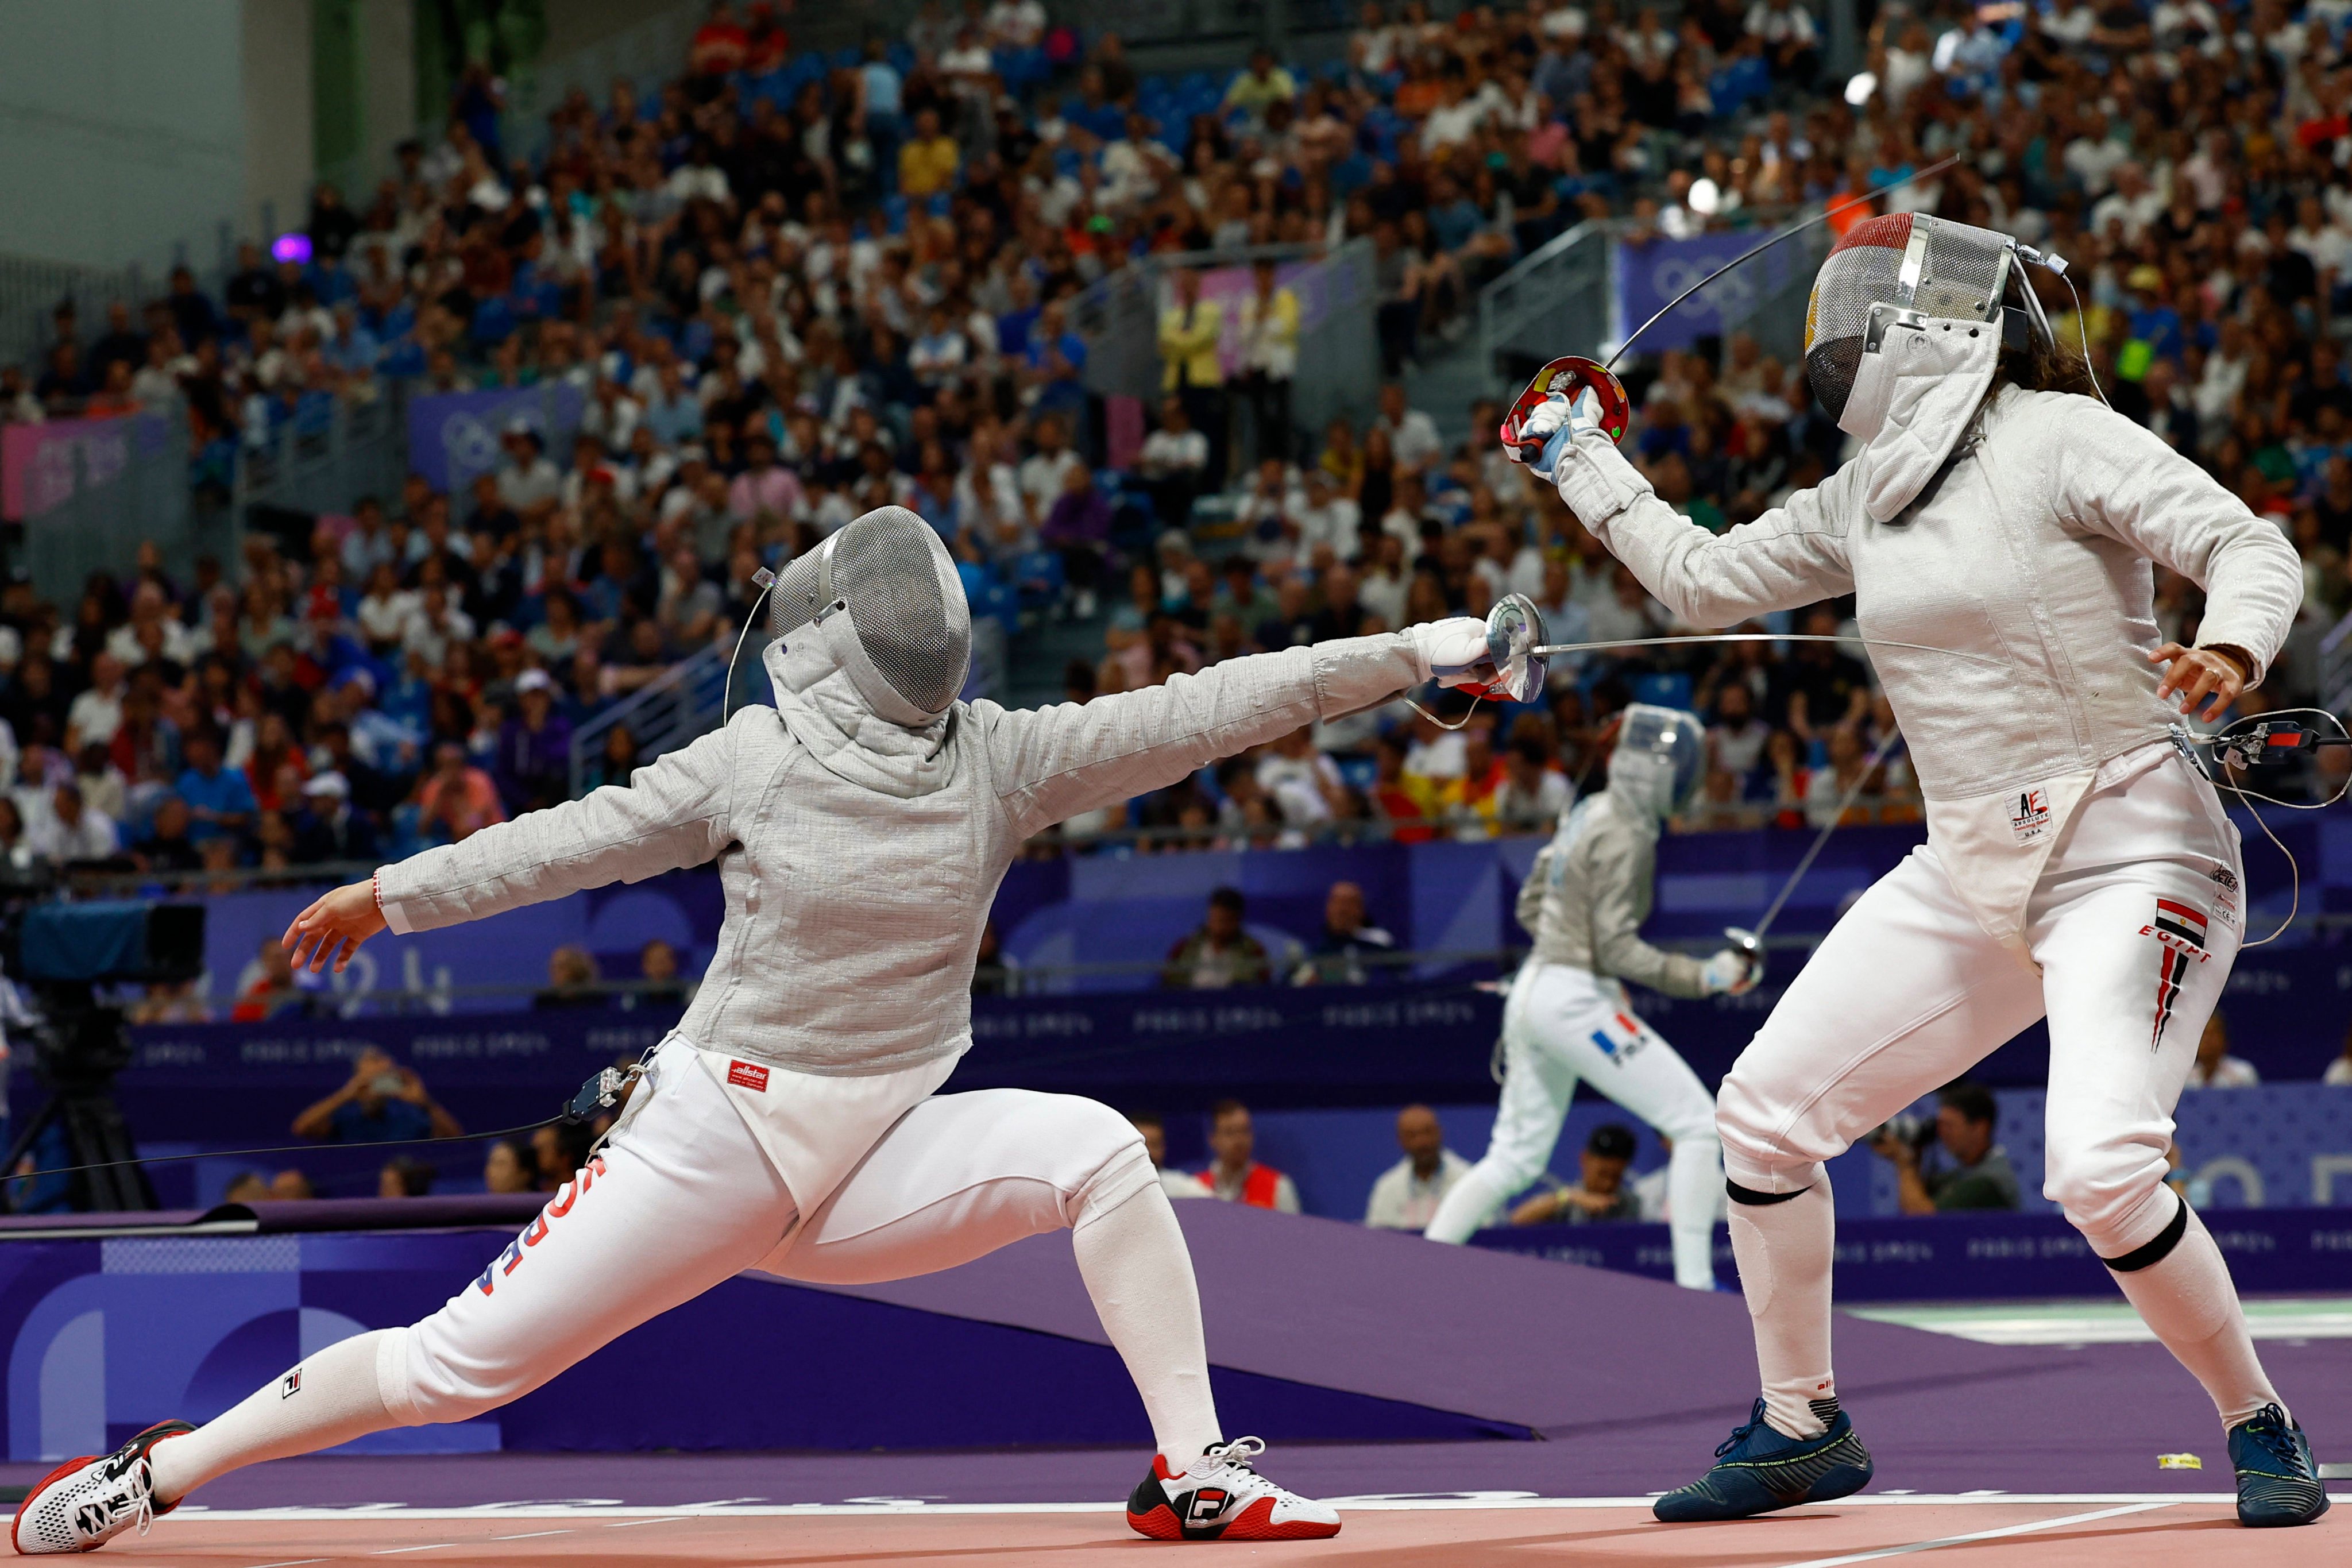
{"x": 1567, "y": 1018}
{"x": 2078, "y": 866}
{"x": 789, "y": 1124}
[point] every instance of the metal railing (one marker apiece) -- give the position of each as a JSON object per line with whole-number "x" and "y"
{"x": 1558, "y": 299}
{"x": 2336, "y": 667}
{"x": 116, "y": 483}
{"x": 667, "y": 712}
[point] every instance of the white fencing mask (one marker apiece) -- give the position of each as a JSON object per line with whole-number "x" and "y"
{"x": 1908, "y": 262}
{"x": 1660, "y": 760}
{"x": 884, "y": 594}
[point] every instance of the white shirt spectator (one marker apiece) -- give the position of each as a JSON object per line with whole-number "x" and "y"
{"x": 90, "y": 837}
{"x": 1016, "y": 24}
{"x": 1044, "y": 477}
{"x": 1179, "y": 1184}
{"x": 1337, "y": 522}
{"x": 2339, "y": 1072}
{"x": 95, "y": 715}
{"x": 1297, "y": 785}
{"x": 1166, "y": 453}
{"x": 1402, "y": 1201}
{"x": 2229, "y": 1072}
{"x": 1413, "y": 439}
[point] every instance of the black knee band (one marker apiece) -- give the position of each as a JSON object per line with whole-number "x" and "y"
{"x": 1740, "y": 1195}
{"x": 2139, "y": 1258}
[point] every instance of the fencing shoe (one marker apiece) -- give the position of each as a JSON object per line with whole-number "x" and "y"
{"x": 84, "y": 1503}
{"x": 1758, "y": 1469}
{"x": 1219, "y": 1497}
{"x": 2277, "y": 1482}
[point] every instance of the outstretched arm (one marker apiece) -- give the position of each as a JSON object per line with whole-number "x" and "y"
{"x": 673, "y": 813}
{"x": 1794, "y": 555}
{"x": 1052, "y": 762}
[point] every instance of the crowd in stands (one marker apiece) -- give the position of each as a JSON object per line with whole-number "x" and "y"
{"x": 791, "y": 287}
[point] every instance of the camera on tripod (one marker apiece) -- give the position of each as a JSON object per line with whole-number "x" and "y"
{"x": 61, "y": 955}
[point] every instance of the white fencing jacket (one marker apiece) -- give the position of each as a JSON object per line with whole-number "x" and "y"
{"x": 2024, "y": 539}
{"x": 1590, "y": 889}
{"x": 858, "y": 859}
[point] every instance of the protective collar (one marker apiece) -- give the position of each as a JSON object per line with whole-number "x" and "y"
{"x": 1912, "y": 400}
{"x": 821, "y": 703}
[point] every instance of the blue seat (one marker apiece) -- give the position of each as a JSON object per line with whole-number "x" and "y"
{"x": 1671, "y": 691}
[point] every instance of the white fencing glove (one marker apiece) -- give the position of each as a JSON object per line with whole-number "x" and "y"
{"x": 1558, "y": 419}
{"x": 1728, "y": 973}
{"x": 1453, "y": 651}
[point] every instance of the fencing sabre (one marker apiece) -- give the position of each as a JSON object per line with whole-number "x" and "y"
{"x": 1751, "y": 941}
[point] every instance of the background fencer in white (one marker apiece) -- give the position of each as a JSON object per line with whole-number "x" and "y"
{"x": 1567, "y": 1017}
{"x": 861, "y": 829}
{"x": 2077, "y": 865}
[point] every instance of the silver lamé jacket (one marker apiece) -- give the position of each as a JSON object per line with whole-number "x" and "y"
{"x": 1589, "y": 891}
{"x": 858, "y": 859}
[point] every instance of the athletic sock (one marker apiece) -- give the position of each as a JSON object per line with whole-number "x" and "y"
{"x": 2187, "y": 1297}
{"x": 329, "y": 1398}
{"x": 1466, "y": 1205}
{"x": 1139, "y": 1274}
{"x": 1784, "y": 1249}
{"x": 1694, "y": 1178}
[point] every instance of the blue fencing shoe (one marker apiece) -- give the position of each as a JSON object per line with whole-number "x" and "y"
{"x": 2277, "y": 1482}
{"x": 1759, "y": 1469}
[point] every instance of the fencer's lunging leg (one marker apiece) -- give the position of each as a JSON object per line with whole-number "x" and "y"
{"x": 1537, "y": 1088}
{"x": 963, "y": 1175}
{"x": 331, "y": 1398}
{"x": 682, "y": 1199}
{"x": 1139, "y": 1273}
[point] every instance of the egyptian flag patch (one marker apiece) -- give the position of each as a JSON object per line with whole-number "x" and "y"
{"x": 2181, "y": 931}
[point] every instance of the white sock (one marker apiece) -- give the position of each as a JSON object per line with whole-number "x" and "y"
{"x": 1784, "y": 1251}
{"x": 2187, "y": 1299}
{"x": 1694, "y": 1176}
{"x": 331, "y": 1397}
{"x": 1139, "y": 1274}
{"x": 1466, "y": 1205}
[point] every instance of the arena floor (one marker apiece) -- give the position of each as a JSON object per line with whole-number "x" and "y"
{"x": 2047, "y": 1530}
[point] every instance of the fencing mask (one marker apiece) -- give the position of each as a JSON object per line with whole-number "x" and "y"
{"x": 1886, "y": 268}
{"x": 884, "y": 596}
{"x": 1660, "y": 759}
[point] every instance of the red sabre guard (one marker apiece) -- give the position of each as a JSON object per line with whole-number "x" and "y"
{"x": 1571, "y": 376}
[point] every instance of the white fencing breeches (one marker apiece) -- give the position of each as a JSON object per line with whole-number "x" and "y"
{"x": 1560, "y": 1025}
{"x": 683, "y": 1199}
{"x": 2134, "y": 925}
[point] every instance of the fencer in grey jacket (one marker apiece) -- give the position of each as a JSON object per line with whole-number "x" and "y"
{"x": 1589, "y": 891}
{"x": 859, "y": 856}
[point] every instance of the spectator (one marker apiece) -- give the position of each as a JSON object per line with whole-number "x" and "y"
{"x": 291, "y": 1186}
{"x": 1407, "y": 1195}
{"x": 1350, "y": 949}
{"x": 661, "y": 984}
{"x": 71, "y": 831}
{"x": 167, "y": 847}
{"x": 1173, "y": 463}
{"x": 1221, "y": 954}
{"x": 404, "y": 1177}
{"x": 1176, "y": 1183}
{"x": 572, "y": 981}
{"x": 1978, "y": 1175}
{"x": 510, "y": 1167}
{"x": 330, "y": 828}
{"x": 534, "y": 761}
{"x": 455, "y": 799}
{"x": 271, "y": 985}
{"x": 2215, "y": 1068}
{"x": 247, "y": 1187}
{"x": 1533, "y": 792}
{"x": 218, "y": 799}
{"x": 995, "y": 973}
{"x": 1078, "y": 526}
{"x": 1190, "y": 329}
{"x": 1601, "y": 1190}
{"x": 1412, "y": 434}
{"x": 383, "y": 1102}
{"x": 928, "y": 161}
{"x": 2339, "y": 1071}
{"x": 1269, "y": 360}
{"x": 1233, "y": 1174}
{"x": 1262, "y": 86}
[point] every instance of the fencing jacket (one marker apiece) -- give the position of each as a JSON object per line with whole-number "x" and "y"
{"x": 858, "y": 859}
{"x": 1589, "y": 891}
{"x": 2023, "y": 538}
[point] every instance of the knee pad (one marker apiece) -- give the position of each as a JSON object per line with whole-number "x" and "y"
{"x": 2112, "y": 1191}
{"x": 1101, "y": 1137}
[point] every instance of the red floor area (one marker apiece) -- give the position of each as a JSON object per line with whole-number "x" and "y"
{"x": 2147, "y": 1533}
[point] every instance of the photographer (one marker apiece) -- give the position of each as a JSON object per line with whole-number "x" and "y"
{"x": 1978, "y": 1177}
{"x": 383, "y": 1103}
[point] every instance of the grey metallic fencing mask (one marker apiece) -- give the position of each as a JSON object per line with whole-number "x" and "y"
{"x": 1660, "y": 760}
{"x": 1898, "y": 265}
{"x": 884, "y": 596}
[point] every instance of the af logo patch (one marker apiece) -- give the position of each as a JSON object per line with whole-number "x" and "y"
{"x": 2029, "y": 816}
